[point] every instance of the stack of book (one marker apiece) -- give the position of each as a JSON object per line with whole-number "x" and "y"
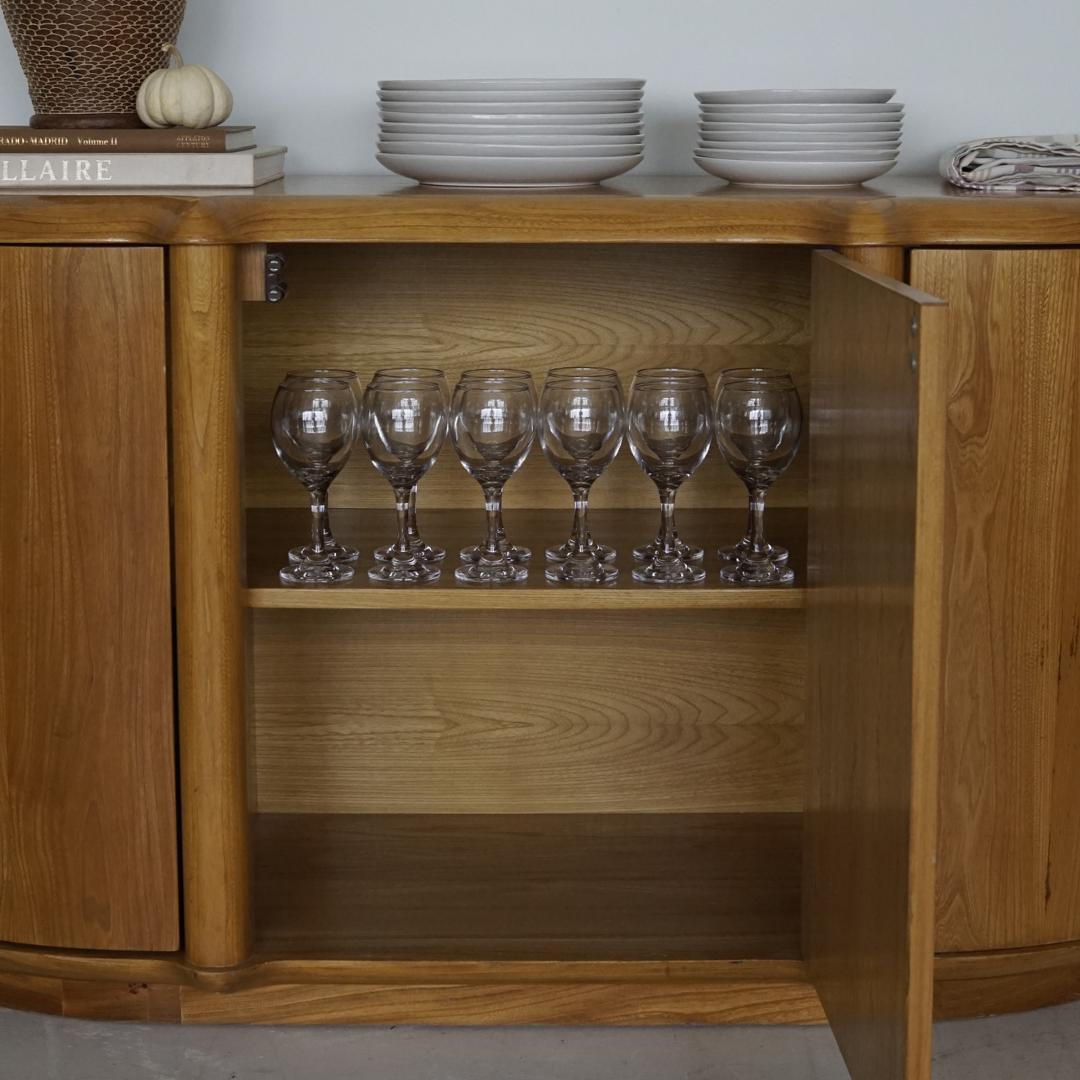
{"x": 221, "y": 157}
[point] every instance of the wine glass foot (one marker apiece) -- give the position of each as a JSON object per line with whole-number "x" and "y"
{"x": 669, "y": 571}
{"x": 686, "y": 552}
{"x": 564, "y": 551}
{"x": 758, "y": 573}
{"x": 484, "y": 572}
{"x": 778, "y": 555}
{"x": 424, "y": 552}
{"x": 511, "y": 551}
{"x": 404, "y": 571}
{"x": 306, "y": 572}
{"x": 341, "y": 553}
{"x": 587, "y": 570}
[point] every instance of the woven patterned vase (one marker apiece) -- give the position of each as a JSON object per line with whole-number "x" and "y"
{"x": 86, "y": 59}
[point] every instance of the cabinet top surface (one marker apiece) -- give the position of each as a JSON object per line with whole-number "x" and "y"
{"x": 907, "y": 211}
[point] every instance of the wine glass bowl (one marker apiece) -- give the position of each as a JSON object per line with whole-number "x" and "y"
{"x": 582, "y": 419}
{"x": 670, "y": 430}
{"x": 758, "y": 429}
{"x": 492, "y": 427}
{"x": 314, "y": 426}
{"x": 404, "y": 423}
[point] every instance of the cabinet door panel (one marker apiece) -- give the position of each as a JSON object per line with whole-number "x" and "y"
{"x": 88, "y": 851}
{"x": 1009, "y": 841}
{"x": 875, "y": 520}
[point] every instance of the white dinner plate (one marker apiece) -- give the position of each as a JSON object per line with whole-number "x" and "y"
{"x": 631, "y": 142}
{"x": 798, "y": 155}
{"x": 565, "y": 120}
{"x": 508, "y": 150}
{"x": 761, "y": 112}
{"x": 493, "y": 108}
{"x": 462, "y": 97}
{"x": 499, "y": 85}
{"x": 575, "y": 130}
{"x": 795, "y": 174}
{"x": 855, "y": 129}
{"x": 506, "y": 172}
{"x": 845, "y": 137}
{"x": 804, "y": 97}
{"x": 738, "y": 142}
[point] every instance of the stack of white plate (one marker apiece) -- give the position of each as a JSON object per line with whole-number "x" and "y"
{"x": 510, "y": 132}
{"x": 806, "y": 138}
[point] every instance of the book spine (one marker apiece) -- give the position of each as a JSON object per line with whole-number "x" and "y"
{"x": 119, "y": 141}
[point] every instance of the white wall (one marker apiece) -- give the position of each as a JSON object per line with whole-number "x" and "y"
{"x": 304, "y": 71}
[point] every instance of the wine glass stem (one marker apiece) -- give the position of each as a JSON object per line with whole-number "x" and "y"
{"x": 668, "y": 536}
{"x": 320, "y": 526}
{"x": 580, "y": 539}
{"x": 402, "y": 550}
{"x": 758, "y": 547}
{"x": 414, "y": 534}
{"x": 493, "y": 506}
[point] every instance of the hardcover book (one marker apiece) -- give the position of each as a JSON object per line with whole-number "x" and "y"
{"x": 218, "y": 140}
{"x": 63, "y": 172}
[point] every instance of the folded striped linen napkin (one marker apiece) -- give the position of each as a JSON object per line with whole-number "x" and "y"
{"x": 1016, "y": 163}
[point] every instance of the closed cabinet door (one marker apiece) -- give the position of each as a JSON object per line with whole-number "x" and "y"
{"x": 876, "y": 510}
{"x": 1009, "y": 847}
{"x": 88, "y": 848}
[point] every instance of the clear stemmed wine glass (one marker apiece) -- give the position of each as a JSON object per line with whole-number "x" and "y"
{"x": 758, "y": 425}
{"x": 687, "y": 552}
{"x": 396, "y": 374}
{"x": 670, "y": 431}
{"x": 492, "y": 425}
{"x": 404, "y": 428}
{"x": 514, "y": 553}
{"x": 336, "y": 550}
{"x": 582, "y": 418}
{"x": 562, "y": 552}
{"x": 779, "y": 555}
{"x": 314, "y": 425}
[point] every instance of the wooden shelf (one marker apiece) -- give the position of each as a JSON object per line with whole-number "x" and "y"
{"x": 527, "y": 887}
{"x": 272, "y": 532}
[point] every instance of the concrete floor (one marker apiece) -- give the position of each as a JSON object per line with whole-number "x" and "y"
{"x": 1041, "y": 1045}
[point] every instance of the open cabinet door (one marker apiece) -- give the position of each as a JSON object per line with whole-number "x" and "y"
{"x": 876, "y": 511}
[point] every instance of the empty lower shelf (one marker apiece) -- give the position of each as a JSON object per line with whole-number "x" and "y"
{"x": 528, "y": 887}
{"x": 271, "y": 532}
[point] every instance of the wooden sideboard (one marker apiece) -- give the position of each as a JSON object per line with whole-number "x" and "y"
{"x": 226, "y": 801}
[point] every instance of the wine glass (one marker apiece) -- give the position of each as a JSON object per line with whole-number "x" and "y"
{"x": 779, "y": 555}
{"x": 582, "y": 417}
{"x": 340, "y": 552}
{"x": 492, "y": 425}
{"x": 516, "y": 554}
{"x": 404, "y": 428}
{"x": 562, "y": 552}
{"x": 687, "y": 552}
{"x": 758, "y": 425}
{"x": 670, "y": 430}
{"x": 396, "y": 374}
{"x": 314, "y": 425}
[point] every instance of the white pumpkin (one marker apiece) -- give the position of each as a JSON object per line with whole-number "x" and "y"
{"x": 188, "y": 95}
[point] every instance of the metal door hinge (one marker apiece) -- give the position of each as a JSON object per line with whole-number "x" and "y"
{"x": 274, "y": 266}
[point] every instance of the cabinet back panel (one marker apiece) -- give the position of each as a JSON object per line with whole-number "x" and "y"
{"x": 528, "y": 712}
{"x": 460, "y": 306}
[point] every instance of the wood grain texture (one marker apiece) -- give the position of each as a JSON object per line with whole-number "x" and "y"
{"x": 88, "y": 822}
{"x": 1009, "y": 849}
{"x": 901, "y": 210}
{"x": 251, "y": 272}
{"x": 271, "y": 533}
{"x": 527, "y": 886}
{"x": 875, "y": 533}
{"x": 528, "y": 712}
{"x": 210, "y": 650}
{"x": 463, "y": 306}
{"x": 889, "y": 261}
